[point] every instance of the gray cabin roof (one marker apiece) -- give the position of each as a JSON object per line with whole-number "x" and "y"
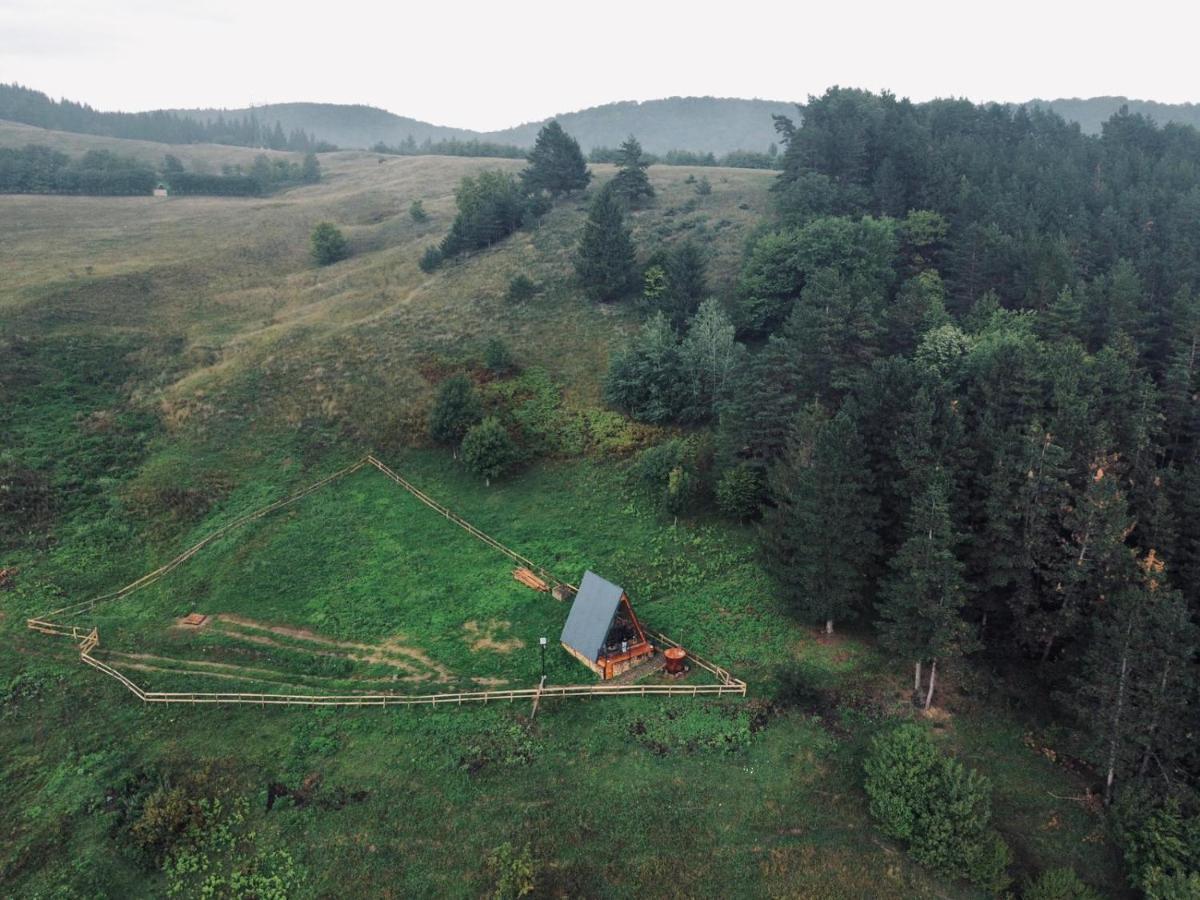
{"x": 591, "y": 615}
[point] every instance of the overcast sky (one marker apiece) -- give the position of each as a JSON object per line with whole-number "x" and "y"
{"x": 490, "y": 65}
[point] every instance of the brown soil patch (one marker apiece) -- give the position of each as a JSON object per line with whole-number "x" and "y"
{"x": 391, "y": 652}
{"x": 490, "y": 682}
{"x": 486, "y": 636}
{"x": 190, "y": 623}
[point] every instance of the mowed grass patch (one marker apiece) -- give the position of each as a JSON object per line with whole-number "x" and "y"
{"x": 359, "y": 570}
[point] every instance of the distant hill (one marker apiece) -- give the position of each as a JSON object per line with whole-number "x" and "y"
{"x": 350, "y": 126}
{"x": 716, "y": 125}
{"x": 705, "y": 124}
{"x": 1093, "y": 112}
{"x": 701, "y": 124}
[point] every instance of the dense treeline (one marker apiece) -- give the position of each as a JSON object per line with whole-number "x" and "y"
{"x": 36, "y": 169}
{"x": 40, "y": 170}
{"x": 451, "y": 147}
{"x": 968, "y": 415}
{"x": 735, "y": 159}
{"x": 21, "y": 104}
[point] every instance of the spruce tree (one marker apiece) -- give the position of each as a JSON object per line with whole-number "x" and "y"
{"x": 556, "y": 164}
{"x": 631, "y": 181}
{"x": 328, "y": 244}
{"x": 643, "y": 379}
{"x": 820, "y": 531}
{"x": 921, "y": 603}
{"x": 605, "y": 260}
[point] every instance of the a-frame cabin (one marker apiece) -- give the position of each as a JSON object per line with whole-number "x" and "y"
{"x": 602, "y": 630}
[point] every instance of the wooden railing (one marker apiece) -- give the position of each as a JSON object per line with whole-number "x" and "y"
{"x": 463, "y": 523}
{"x": 89, "y": 639}
{"x": 443, "y": 699}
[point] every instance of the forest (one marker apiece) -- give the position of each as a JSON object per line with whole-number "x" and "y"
{"x": 957, "y": 385}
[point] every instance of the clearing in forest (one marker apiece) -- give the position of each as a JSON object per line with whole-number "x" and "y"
{"x": 358, "y": 586}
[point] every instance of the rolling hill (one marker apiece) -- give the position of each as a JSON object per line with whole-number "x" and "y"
{"x": 702, "y": 124}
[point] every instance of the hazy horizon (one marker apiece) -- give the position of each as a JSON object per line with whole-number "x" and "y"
{"x": 489, "y": 75}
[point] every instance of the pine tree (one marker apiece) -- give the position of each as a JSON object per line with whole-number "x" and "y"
{"x": 1062, "y": 320}
{"x": 920, "y": 607}
{"x": 643, "y": 379}
{"x": 686, "y": 285}
{"x": 819, "y": 534}
{"x": 1138, "y": 681}
{"x": 328, "y": 244}
{"x": 556, "y": 164}
{"x": 605, "y": 260}
{"x": 1095, "y": 561}
{"x": 631, "y": 181}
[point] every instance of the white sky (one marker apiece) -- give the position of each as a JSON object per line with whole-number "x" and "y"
{"x": 488, "y": 65}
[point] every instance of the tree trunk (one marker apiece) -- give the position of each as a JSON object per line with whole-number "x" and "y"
{"x": 932, "y": 681}
{"x": 1047, "y": 647}
{"x": 829, "y": 626}
{"x": 916, "y": 678}
{"x": 1116, "y": 725}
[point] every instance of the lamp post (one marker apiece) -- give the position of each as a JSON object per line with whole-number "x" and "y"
{"x": 542, "y": 642}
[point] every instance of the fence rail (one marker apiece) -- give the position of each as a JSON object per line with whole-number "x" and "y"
{"x": 88, "y": 639}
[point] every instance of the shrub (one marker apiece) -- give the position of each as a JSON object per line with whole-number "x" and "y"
{"x": 511, "y": 871}
{"x": 1058, "y": 884}
{"x": 940, "y": 808}
{"x": 520, "y": 289}
{"x": 416, "y": 211}
{"x": 487, "y": 449}
{"x": 455, "y": 410}
{"x": 703, "y": 186}
{"x": 1161, "y": 843}
{"x": 430, "y": 259}
{"x": 328, "y": 244}
{"x": 739, "y": 491}
{"x": 497, "y": 357}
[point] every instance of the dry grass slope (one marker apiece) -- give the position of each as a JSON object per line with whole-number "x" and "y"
{"x": 228, "y": 280}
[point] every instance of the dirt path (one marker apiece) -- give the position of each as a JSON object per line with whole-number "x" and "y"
{"x": 391, "y": 652}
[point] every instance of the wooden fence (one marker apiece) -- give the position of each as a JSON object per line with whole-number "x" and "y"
{"x": 89, "y": 639}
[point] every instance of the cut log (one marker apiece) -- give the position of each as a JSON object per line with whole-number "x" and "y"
{"x": 527, "y": 578}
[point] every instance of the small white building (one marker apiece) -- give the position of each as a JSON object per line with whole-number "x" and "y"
{"x": 160, "y": 190}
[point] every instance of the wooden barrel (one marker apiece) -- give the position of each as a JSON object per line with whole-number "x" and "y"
{"x": 675, "y": 657}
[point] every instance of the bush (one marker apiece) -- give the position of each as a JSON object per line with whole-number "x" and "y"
{"x": 941, "y": 809}
{"x": 1058, "y": 884}
{"x": 497, "y": 357}
{"x": 520, "y": 289}
{"x": 739, "y": 492}
{"x": 456, "y": 409}
{"x": 703, "y": 186}
{"x": 511, "y": 871}
{"x": 1161, "y": 843}
{"x": 430, "y": 259}
{"x": 328, "y": 244}
{"x": 416, "y": 211}
{"x": 487, "y": 449}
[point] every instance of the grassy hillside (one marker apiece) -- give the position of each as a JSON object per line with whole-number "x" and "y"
{"x": 166, "y": 365}
{"x": 200, "y": 157}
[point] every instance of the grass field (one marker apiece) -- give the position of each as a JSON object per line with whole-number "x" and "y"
{"x": 167, "y": 366}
